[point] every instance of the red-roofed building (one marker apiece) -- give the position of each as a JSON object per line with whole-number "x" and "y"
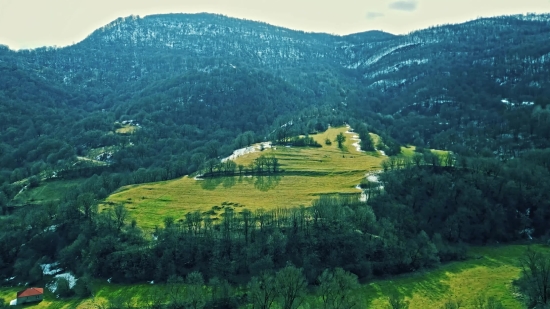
{"x": 30, "y": 295}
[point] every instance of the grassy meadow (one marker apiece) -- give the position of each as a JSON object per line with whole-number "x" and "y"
{"x": 48, "y": 191}
{"x": 308, "y": 173}
{"x": 127, "y": 129}
{"x": 488, "y": 272}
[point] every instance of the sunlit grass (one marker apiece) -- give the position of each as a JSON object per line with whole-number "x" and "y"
{"x": 307, "y": 173}
{"x": 409, "y": 151}
{"x": 489, "y": 272}
{"x": 127, "y": 129}
{"x": 103, "y": 293}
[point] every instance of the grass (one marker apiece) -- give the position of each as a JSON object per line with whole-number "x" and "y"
{"x": 489, "y": 271}
{"x": 127, "y": 129}
{"x": 103, "y": 293}
{"x": 410, "y": 150}
{"x": 308, "y": 173}
{"x": 48, "y": 191}
{"x": 93, "y": 153}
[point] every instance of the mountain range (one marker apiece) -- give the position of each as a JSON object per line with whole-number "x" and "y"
{"x": 200, "y": 84}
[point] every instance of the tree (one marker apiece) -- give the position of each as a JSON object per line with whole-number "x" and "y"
{"x": 275, "y": 163}
{"x": 63, "y": 287}
{"x": 121, "y": 214}
{"x": 534, "y": 282}
{"x": 229, "y": 167}
{"x": 367, "y": 144}
{"x": 87, "y": 204}
{"x": 290, "y": 285}
{"x": 222, "y": 294}
{"x": 34, "y": 181}
{"x": 195, "y": 293}
{"x": 336, "y": 288}
{"x": 262, "y": 291}
{"x": 340, "y": 139}
{"x": 211, "y": 165}
{"x": 83, "y": 287}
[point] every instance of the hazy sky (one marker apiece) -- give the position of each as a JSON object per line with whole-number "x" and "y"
{"x": 35, "y": 23}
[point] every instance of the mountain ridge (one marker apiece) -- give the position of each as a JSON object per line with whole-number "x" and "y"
{"x": 419, "y": 88}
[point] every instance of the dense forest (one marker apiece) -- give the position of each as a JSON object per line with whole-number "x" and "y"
{"x": 205, "y": 85}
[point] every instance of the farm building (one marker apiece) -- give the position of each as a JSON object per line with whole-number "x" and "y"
{"x": 30, "y": 295}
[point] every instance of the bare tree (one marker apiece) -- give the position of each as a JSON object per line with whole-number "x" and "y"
{"x": 534, "y": 282}
{"x": 261, "y": 291}
{"x": 121, "y": 214}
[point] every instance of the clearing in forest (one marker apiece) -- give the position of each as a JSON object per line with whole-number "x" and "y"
{"x": 126, "y": 129}
{"x": 488, "y": 272}
{"x": 307, "y": 172}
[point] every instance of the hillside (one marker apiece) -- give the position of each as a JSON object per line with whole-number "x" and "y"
{"x": 111, "y": 155}
{"x": 305, "y": 174}
{"x": 441, "y": 87}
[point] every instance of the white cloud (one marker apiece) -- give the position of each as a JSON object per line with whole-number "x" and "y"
{"x": 403, "y": 5}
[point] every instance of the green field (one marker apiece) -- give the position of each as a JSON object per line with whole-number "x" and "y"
{"x": 48, "y": 191}
{"x": 488, "y": 272}
{"x": 103, "y": 293}
{"x": 308, "y": 173}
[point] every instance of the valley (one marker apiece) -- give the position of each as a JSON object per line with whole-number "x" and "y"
{"x": 198, "y": 160}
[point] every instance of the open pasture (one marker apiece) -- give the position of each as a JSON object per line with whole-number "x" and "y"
{"x": 306, "y": 174}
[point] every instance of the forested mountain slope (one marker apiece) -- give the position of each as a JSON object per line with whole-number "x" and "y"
{"x": 195, "y": 78}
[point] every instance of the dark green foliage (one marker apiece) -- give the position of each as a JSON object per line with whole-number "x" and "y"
{"x": 304, "y": 141}
{"x": 84, "y": 287}
{"x": 337, "y": 289}
{"x": 340, "y": 139}
{"x": 534, "y": 282}
{"x": 290, "y": 287}
{"x": 63, "y": 289}
{"x": 262, "y": 291}
{"x": 367, "y": 144}
{"x": 34, "y": 182}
